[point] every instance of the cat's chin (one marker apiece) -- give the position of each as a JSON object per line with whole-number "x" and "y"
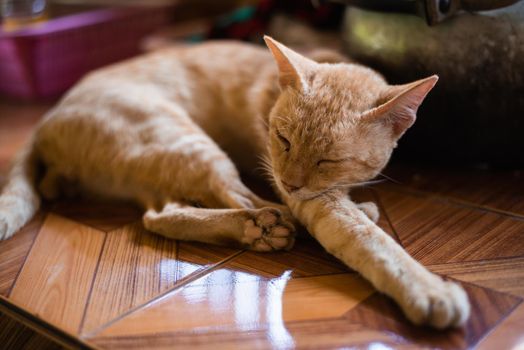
{"x": 300, "y": 195}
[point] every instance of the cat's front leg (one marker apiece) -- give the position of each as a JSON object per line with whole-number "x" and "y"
{"x": 263, "y": 230}
{"x": 347, "y": 233}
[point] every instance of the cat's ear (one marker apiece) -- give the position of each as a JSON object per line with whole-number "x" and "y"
{"x": 293, "y": 68}
{"x": 401, "y": 102}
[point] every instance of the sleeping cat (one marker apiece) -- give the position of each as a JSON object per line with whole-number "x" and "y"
{"x": 169, "y": 129}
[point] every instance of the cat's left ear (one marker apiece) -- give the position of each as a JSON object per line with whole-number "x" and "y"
{"x": 293, "y": 68}
{"x": 399, "y": 111}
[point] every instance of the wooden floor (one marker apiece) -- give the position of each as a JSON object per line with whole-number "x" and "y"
{"x": 89, "y": 272}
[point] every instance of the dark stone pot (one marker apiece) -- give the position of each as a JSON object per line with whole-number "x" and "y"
{"x": 476, "y": 112}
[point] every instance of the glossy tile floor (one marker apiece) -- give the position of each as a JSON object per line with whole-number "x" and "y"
{"x": 91, "y": 270}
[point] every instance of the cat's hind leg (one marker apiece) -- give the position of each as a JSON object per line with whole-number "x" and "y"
{"x": 257, "y": 229}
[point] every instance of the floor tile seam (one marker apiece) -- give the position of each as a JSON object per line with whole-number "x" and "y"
{"x": 498, "y": 323}
{"x": 42, "y": 326}
{"x": 518, "y": 299}
{"x": 348, "y": 272}
{"x": 446, "y": 199}
{"x": 179, "y": 285}
{"x": 93, "y": 280}
{"x": 383, "y": 209}
{"x": 488, "y": 260}
{"x": 8, "y": 294}
{"x": 224, "y": 329}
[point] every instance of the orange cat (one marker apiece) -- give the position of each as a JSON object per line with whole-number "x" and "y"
{"x": 169, "y": 129}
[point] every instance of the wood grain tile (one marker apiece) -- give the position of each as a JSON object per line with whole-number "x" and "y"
{"x": 134, "y": 267}
{"x": 13, "y": 252}
{"x": 194, "y": 253}
{"x": 497, "y": 189}
{"x": 509, "y": 334}
{"x": 58, "y": 274}
{"x": 488, "y": 309}
{"x": 435, "y": 232}
{"x": 324, "y": 334}
{"x": 503, "y": 275}
{"x": 233, "y": 300}
{"x": 16, "y": 336}
{"x": 102, "y": 215}
{"x": 137, "y": 266}
{"x": 307, "y": 258}
{"x": 325, "y": 296}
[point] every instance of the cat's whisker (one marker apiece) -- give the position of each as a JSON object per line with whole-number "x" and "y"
{"x": 266, "y": 167}
{"x": 281, "y": 118}
{"x": 368, "y": 183}
{"x": 359, "y": 184}
{"x": 390, "y": 178}
{"x": 265, "y": 123}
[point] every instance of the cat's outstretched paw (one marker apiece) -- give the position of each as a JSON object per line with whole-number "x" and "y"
{"x": 268, "y": 230}
{"x": 371, "y": 210}
{"x": 441, "y": 305}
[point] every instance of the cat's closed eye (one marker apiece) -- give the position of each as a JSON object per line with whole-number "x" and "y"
{"x": 354, "y": 160}
{"x": 285, "y": 142}
{"x": 332, "y": 161}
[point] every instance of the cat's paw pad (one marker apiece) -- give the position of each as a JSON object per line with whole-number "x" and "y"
{"x": 440, "y": 305}
{"x": 268, "y": 231}
{"x": 371, "y": 210}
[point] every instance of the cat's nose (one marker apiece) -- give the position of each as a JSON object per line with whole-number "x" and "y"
{"x": 290, "y": 188}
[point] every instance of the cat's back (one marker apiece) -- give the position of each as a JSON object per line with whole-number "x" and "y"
{"x": 187, "y": 66}
{"x": 192, "y": 77}
{"x": 117, "y": 105}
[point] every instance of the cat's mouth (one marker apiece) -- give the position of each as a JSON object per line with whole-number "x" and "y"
{"x": 301, "y": 194}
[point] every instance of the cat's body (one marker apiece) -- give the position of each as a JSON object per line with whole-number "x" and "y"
{"x": 167, "y": 129}
{"x": 177, "y": 101}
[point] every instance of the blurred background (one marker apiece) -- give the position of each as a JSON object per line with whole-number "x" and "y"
{"x": 474, "y": 118}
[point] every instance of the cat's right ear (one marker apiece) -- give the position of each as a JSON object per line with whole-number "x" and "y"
{"x": 293, "y": 68}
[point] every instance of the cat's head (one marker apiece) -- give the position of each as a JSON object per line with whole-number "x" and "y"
{"x": 335, "y": 125}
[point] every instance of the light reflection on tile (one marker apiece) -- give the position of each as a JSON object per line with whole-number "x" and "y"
{"x": 379, "y": 346}
{"x": 167, "y": 269}
{"x": 232, "y": 300}
{"x": 509, "y": 334}
{"x": 245, "y": 309}
{"x": 277, "y": 333}
{"x": 519, "y": 346}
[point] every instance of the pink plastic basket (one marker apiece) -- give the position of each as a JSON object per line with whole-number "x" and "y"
{"x": 44, "y": 61}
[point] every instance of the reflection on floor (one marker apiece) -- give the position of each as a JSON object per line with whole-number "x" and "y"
{"x": 91, "y": 270}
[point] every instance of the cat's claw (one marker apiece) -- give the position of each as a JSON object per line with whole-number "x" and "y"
{"x": 268, "y": 231}
{"x": 371, "y": 210}
{"x": 441, "y": 305}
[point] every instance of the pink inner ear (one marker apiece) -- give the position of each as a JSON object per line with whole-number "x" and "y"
{"x": 401, "y": 110}
{"x": 403, "y": 120}
{"x": 288, "y": 76}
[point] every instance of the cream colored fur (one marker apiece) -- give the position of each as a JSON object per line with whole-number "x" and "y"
{"x": 169, "y": 129}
